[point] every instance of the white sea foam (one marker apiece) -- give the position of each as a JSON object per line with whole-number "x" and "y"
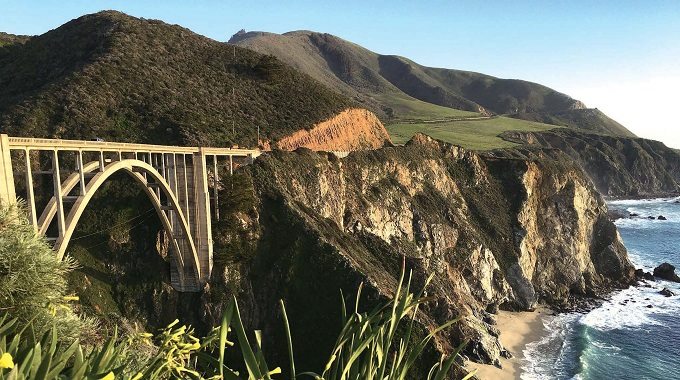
{"x": 550, "y": 356}
{"x": 605, "y": 346}
{"x": 629, "y": 308}
{"x": 580, "y": 342}
{"x": 643, "y": 201}
{"x": 641, "y": 261}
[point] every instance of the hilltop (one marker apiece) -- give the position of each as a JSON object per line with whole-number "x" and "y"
{"x": 123, "y": 78}
{"x": 7, "y": 39}
{"x": 398, "y": 88}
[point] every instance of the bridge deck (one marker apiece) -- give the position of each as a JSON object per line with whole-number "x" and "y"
{"x": 96, "y": 146}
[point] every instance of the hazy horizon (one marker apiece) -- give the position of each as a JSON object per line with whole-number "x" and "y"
{"x": 620, "y": 57}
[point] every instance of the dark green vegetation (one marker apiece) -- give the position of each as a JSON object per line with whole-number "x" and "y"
{"x": 40, "y": 336}
{"x": 397, "y": 88}
{"x": 7, "y": 39}
{"x": 127, "y": 79}
{"x": 33, "y": 286}
{"x": 590, "y": 120}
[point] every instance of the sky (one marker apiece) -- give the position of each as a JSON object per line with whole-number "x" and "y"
{"x": 622, "y": 57}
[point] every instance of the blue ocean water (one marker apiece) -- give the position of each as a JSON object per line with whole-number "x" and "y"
{"x": 636, "y": 333}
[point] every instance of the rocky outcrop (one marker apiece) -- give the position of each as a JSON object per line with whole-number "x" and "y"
{"x": 495, "y": 233}
{"x": 618, "y": 166}
{"x": 666, "y": 271}
{"x": 351, "y": 129}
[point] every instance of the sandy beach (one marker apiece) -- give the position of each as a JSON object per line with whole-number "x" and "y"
{"x": 517, "y": 329}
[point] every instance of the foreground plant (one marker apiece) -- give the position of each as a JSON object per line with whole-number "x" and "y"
{"x": 39, "y": 332}
{"x": 33, "y": 286}
{"x": 368, "y": 347}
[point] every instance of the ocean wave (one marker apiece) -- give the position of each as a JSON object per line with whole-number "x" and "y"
{"x": 643, "y": 201}
{"x": 630, "y": 308}
{"x": 598, "y": 344}
{"x": 554, "y": 355}
{"x": 605, "y": 346}
{"x": 641, "y": 261}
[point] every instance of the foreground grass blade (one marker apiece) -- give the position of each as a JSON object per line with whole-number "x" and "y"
{"x": 289, "y": 340}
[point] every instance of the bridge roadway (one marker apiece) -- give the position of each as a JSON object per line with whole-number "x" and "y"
{"x": 182, "y": 183}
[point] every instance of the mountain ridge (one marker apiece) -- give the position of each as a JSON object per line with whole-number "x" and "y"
{"x": 394, "y": 86}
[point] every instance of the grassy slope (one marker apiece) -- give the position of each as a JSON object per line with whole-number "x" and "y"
{"x": 590, "y": 120}
{"x": 410, "y": 108}
{"x": 471, "y": 134}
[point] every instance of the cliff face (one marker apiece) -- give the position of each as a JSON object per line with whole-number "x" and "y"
{"x": 351, "y": 129}
{"x": 618, "y": 166}
{"x": 508, "y": 233}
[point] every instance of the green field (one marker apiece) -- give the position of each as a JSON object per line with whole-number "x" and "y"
{"x": 470, "y": 134}
{"x": 409, "y": 108}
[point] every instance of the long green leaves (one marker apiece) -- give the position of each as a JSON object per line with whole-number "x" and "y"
{"x": 372, "y": 345}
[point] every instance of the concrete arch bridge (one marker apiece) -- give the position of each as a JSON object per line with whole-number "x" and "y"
{"x": 180, "y": 182}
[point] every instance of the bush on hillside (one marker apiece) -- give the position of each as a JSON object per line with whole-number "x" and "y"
{"x": 33, "y": 286}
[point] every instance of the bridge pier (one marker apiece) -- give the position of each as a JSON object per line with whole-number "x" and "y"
{"x": 180, "y": 192}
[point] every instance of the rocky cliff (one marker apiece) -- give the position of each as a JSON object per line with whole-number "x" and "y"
{"x": 618, "y": 166}
{"x": 496, "y": 232}
{"x": 351, "y": 129}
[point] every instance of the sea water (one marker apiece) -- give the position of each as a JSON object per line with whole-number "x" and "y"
{"x": 635, "y": 334}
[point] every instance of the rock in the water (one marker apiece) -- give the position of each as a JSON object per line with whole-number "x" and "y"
{"x": 661, "y": 217}
{"x": 633, "y": 215}
{"x": 667, "y": 272}
{"x": 641, "y": 274}
{"x": 666, "y": 292}
{"x": 651, "y": 218}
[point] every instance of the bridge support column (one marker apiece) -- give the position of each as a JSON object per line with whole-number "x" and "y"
{"x": 7, "y": 192}
{"x": 201, "y": 225}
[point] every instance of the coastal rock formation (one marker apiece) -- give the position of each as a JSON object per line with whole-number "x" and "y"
{"x": 495, "y": 232}
{"x": 666, "y": 271}
{"x": 618, "y": 166}
{"x": 351, "y": 129}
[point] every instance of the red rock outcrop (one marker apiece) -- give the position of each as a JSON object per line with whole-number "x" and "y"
{"x": 351, "y": 129}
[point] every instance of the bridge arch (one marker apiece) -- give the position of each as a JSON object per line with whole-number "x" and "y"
{"x": 177, "y": 228}
{"x": 170, "y": 175}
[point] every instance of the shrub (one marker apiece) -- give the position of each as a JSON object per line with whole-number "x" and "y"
{"x": 33, "y": 286}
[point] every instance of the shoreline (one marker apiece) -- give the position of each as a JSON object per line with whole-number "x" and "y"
{"x": 518, "y": 328}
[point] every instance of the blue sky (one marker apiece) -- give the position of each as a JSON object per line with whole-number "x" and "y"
{"x": 620, "y": 56}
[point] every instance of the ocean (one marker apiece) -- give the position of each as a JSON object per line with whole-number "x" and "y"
{"x": 635, "y": 334}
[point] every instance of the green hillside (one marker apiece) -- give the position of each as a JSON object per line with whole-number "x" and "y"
{"x": 7, "y": 39}
{"x": 399, "y": 89}
{"x": 348, "y": 68}
{"x": 128, "y": 79}
{"x": 472, "y": 134}
{"x": 589, "y": 120}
